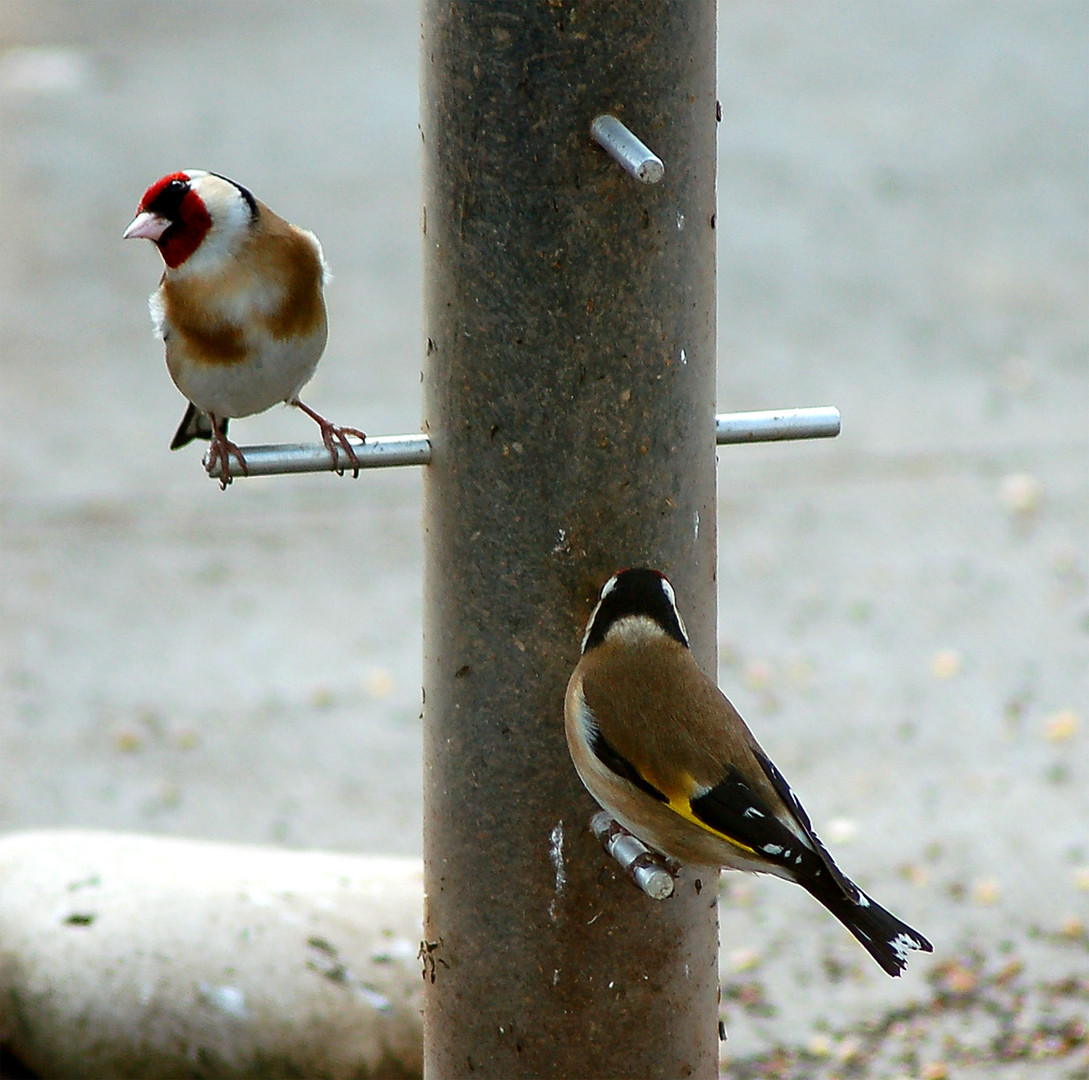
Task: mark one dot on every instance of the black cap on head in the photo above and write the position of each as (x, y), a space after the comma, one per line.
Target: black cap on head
(636, 592)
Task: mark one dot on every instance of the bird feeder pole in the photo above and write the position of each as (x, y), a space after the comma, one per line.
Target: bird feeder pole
(569, 277)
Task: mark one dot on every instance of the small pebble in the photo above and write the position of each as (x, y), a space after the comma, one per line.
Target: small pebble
(1072, 928)
(744, 960)
(128, 742)
(321, 697)
(918, 875)
(1061, 726)
(1020, 494)
(956, 978)
(945, 663)
(378, 683)
(849, 1050)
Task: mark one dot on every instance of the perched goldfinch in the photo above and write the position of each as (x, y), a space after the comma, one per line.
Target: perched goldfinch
(239, 307)
(658, 745)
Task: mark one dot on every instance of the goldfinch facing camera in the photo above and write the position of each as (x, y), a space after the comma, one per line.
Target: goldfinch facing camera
(239, 307)
(660, 747)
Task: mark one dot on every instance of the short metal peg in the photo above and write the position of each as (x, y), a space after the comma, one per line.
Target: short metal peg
(652, 872)
(626, 150)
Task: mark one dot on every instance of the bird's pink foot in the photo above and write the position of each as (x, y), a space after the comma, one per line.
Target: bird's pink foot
(333, 436)
(219, 457)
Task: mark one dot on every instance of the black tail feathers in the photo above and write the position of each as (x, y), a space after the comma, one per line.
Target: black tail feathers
(194, 425)
(882, 934)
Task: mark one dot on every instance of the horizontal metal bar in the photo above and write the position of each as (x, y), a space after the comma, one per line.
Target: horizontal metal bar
(376, 453)
(775, 425)
(382, 451)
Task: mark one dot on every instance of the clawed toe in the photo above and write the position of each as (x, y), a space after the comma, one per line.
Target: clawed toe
(219, 456)
(340, 434)
(332, 436)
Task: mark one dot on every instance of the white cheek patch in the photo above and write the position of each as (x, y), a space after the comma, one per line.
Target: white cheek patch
(608, 588)
(590, 621)
(671, 596)
(232, 220)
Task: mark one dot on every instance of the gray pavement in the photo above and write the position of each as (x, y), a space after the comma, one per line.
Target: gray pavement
(904, 613)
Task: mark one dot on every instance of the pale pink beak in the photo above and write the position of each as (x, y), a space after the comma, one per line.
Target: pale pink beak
(146, 225)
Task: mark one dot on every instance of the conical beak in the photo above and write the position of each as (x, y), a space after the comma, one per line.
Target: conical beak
(148, 225)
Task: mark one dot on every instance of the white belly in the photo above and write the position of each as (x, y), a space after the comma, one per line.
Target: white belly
(274, 373)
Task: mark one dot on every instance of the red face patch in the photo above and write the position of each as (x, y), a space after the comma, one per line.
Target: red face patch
(173, 199)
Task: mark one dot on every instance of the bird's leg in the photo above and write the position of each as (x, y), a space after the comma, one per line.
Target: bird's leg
(331, 432)
(219, 453)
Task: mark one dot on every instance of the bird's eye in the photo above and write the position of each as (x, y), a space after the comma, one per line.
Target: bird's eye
(168, 199)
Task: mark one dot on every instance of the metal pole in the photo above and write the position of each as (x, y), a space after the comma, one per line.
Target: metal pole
(568, 397)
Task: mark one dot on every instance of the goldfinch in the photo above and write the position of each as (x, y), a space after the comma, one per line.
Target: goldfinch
(239, 307)
(659, 746)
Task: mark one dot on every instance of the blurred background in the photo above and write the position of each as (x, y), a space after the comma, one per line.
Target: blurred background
(904, 612)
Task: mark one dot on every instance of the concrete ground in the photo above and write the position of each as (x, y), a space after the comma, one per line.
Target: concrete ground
(904, 613)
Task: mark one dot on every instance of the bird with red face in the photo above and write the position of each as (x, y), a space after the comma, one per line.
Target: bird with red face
(240, 309)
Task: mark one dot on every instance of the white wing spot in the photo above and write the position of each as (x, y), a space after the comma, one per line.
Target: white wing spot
(902, 944)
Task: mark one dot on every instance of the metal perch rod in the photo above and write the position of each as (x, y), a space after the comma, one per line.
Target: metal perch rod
(382, 451)
(378, 452)
(775, 425)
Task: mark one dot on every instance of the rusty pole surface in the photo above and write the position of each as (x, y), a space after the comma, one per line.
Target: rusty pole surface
(569, 399)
